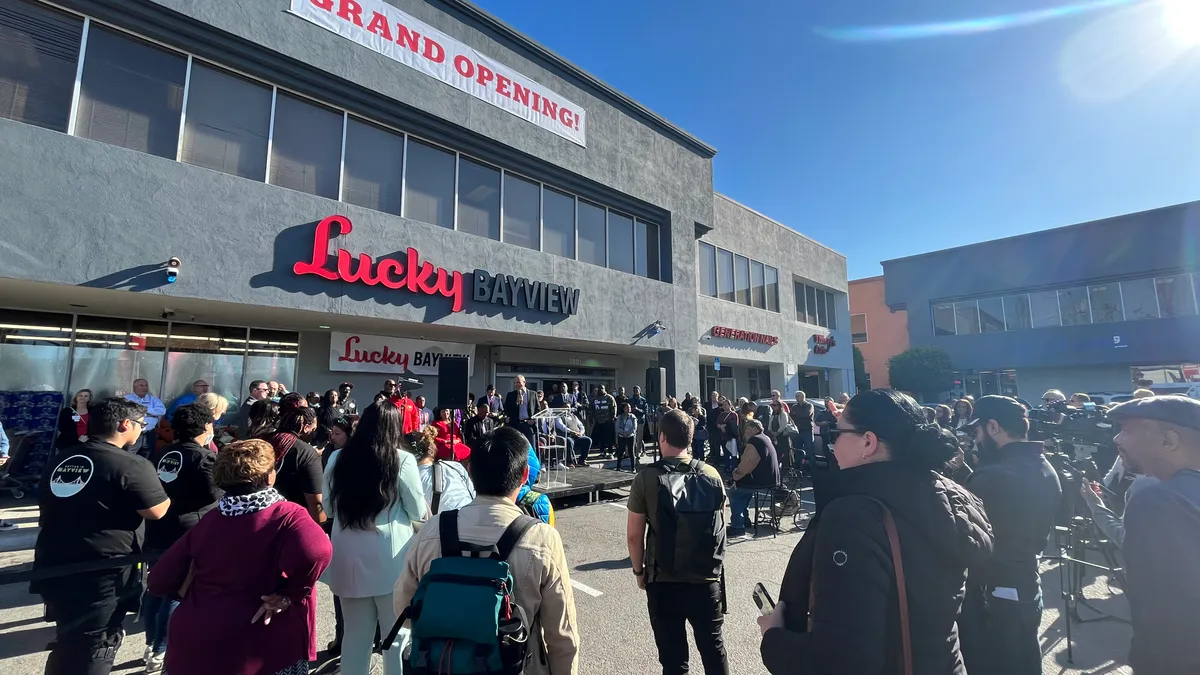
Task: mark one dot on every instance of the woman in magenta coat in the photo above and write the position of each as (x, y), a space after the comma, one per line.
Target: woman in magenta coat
(252, 561)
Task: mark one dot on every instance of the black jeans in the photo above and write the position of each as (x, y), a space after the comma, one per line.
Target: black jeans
(1000, 637)
(88, 611)
(672, 606)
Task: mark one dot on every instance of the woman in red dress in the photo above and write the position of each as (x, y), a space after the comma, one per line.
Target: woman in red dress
(449, 437)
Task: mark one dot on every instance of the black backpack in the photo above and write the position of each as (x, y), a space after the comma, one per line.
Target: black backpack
(691, 522)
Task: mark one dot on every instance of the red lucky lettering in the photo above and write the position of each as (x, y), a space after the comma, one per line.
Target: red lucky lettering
(385, 357)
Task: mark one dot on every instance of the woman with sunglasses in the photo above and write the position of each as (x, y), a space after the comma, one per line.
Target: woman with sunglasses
(842, 608)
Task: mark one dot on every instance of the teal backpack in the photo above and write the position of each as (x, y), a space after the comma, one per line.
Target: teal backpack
(464, 616)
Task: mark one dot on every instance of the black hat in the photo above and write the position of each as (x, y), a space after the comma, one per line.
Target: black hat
(1173, 408)
(346, 385)
(1007, 412)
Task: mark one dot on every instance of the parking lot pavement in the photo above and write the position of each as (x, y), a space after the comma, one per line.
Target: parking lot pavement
(614, 626)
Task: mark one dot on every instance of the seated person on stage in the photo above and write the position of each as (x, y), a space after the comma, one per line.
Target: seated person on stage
(534, 503)
(449, 438)
(480, 427)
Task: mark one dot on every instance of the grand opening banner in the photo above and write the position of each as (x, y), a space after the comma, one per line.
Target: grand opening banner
(382, 354)
(383, 28)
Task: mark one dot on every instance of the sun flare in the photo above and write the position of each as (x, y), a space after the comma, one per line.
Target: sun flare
(1181, 18)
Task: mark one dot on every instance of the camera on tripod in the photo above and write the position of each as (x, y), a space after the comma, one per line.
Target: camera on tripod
(1084, 437)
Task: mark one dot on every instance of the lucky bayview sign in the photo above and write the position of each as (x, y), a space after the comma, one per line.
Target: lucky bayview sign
(382, 354)
(414, 275)
(383, 28)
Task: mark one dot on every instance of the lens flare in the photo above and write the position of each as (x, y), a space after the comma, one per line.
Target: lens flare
(1181, 19)
(985, 24)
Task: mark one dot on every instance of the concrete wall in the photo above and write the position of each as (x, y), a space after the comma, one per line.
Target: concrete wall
(1138, 245)
(1033, 382)
(743, 231)
(887, 330)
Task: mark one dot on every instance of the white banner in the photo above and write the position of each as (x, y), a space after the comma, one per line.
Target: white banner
(381, 354)
(381, 27)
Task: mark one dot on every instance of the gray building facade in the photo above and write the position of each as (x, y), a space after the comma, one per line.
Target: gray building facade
(1088, 308)
(317, 190)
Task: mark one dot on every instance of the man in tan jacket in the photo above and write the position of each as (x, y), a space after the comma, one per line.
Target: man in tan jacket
(541, 580)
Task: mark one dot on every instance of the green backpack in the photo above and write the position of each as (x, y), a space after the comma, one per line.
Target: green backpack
(465, 619)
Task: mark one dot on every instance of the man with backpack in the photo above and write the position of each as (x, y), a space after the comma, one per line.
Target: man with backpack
(676, 539)
(463, 564)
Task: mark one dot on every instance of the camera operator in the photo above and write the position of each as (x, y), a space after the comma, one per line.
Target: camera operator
(1020, 491)
(1161, 436)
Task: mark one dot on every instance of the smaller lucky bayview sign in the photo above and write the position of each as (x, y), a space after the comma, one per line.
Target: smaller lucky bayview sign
(744, 335)
(382, 354)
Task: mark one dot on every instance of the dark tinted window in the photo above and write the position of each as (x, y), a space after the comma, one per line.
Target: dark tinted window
(1106, 303)
(810, 298)
(1175, 295)
(1141, 299)
(822, 308)
(306, 151)
(373, 167)
(772, 289)
(725, 274)
(40, 49)
(801, 314)
(1073, 304)
(1016, 312)
(741, 279)
(429, 184)
(558, 223)
(646, 238)
(831, 303)
(522, 212)
(478, 199)
(591, 234)
(620, 242)
(966, 315)
(943, 319)
(131, 94)
(707, 270)
(227, 123)
(991, 315)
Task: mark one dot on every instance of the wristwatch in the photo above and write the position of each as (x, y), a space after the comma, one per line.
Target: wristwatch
(638, 573)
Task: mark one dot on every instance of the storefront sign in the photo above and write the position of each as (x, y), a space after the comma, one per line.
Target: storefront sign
(385, 29)
(823, 343)
(381, 354)
(744, 335)
(417, 276)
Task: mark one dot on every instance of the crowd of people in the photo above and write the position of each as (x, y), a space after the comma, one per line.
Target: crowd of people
(392, 504)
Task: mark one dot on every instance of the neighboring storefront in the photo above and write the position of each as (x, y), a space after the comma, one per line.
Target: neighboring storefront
(1092, 308)
(351, 195)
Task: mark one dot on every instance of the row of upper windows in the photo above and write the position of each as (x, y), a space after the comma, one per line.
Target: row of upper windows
(1149, 298)
(728, 276)
(73, 75)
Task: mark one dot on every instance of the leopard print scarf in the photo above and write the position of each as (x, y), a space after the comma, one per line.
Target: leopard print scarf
(240, 505)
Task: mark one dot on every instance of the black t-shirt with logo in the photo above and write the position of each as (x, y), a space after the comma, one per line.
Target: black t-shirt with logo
(89, 497)
(185, 470)
(299, 473)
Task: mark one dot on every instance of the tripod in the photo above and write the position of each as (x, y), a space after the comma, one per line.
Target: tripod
(1082, 535)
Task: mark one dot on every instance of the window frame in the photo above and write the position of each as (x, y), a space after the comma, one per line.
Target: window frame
(854, 339)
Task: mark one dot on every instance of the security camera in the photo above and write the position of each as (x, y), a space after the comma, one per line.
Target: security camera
(167, 313)
(173, 266)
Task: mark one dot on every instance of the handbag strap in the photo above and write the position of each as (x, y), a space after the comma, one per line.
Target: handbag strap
(893, 536)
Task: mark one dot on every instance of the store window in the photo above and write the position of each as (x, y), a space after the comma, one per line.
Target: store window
(1106, 303)
(620, 242)
(1016, 312)
(478, 199)
(429, 184)
(558, 223)
(772, 289)
(522, 212)
(647, 255)
(1073, 305)
(110, 354)
(131, 94)
(707, 270)
(858, 328)
(37, 73)
(34, 354)
(725, 283)
(214, 354)
(741, 279)
(227, 123)
(757, 285)
(810, 309)
(1141, 299)
(1044, 308)
(991, 315)
(271, 355)
(306, 150)
(966, 317)
(592, 248)
(373, 167)
(943, 319)
(1175, 296)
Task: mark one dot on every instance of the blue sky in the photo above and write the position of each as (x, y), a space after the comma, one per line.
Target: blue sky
(1048, 114)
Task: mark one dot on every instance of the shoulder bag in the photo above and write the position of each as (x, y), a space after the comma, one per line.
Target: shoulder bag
(889, 524)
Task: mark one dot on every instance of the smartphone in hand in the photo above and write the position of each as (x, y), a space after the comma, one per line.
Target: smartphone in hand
(763, 599)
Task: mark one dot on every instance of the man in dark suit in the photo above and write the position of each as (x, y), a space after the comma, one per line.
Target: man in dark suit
(492, 400)
(520, 404)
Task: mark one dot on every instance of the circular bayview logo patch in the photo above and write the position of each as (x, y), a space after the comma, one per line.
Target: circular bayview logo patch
(71, 476)
(168, 466)
(840, 558)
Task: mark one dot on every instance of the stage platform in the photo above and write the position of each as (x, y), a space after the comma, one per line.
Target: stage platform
(590, 481)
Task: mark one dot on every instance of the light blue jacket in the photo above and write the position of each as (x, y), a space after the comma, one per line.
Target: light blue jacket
(366, 563)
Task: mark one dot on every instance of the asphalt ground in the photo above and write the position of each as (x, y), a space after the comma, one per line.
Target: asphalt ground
(614, 626)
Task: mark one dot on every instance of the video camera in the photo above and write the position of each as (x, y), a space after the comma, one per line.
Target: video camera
(1081, 438)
